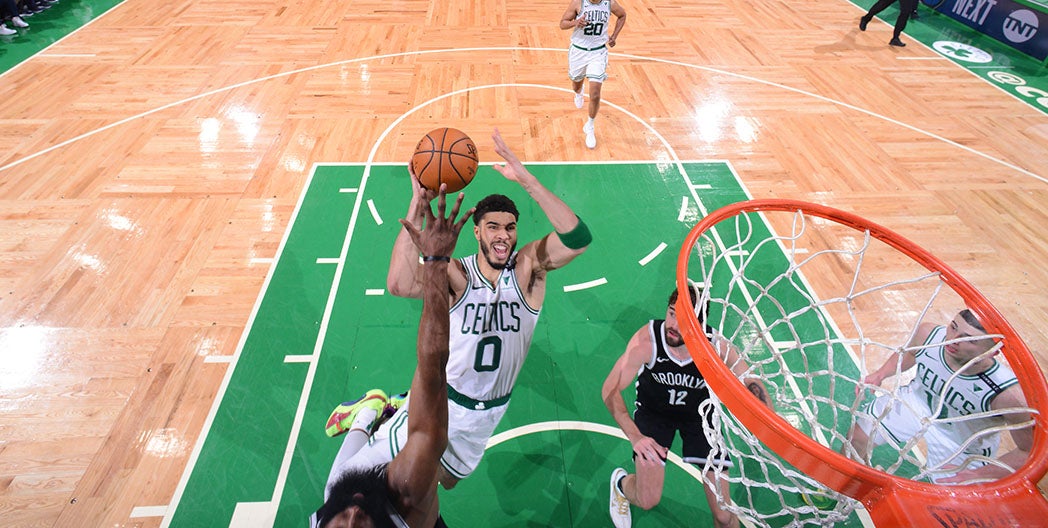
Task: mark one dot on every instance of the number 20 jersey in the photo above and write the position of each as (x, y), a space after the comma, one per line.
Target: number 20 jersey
(595, 33)
(491, 330)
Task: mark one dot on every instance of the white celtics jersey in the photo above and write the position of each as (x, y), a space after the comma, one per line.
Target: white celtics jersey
(595, 33)
(491, 330)
(965, 395)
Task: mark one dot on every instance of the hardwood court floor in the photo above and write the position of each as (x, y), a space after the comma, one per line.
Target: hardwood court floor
(151, 162)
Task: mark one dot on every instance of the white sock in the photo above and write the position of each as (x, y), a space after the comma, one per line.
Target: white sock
(364, 420)
(355, 439)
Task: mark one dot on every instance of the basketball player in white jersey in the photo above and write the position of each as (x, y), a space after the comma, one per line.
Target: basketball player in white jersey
(669, 390)
(983, 385)
(588, 54)
(496, 296)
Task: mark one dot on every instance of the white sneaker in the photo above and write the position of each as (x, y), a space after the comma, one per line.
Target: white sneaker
(591, 136)
(620, 505)
(18, 22)
(579, 100)
(5, 31)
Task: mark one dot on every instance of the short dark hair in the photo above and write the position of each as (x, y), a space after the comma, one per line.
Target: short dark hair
(694, 293)
(691, 293)
(366, 488)
(970, 318)
(495, 203)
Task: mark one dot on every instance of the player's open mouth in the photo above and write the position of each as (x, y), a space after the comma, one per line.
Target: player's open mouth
(501, 250)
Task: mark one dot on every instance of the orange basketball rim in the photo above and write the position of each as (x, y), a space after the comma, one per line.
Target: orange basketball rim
(890, 500)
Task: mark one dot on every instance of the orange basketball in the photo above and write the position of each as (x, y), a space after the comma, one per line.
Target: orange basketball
(445, 155)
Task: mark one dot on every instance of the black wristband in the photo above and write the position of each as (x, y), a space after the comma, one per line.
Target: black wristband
(437, 258)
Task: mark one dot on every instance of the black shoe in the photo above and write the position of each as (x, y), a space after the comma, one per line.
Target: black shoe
(863, 22)
(914, 15)
(897, 42)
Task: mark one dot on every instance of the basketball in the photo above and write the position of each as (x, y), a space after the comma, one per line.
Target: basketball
(445, 155)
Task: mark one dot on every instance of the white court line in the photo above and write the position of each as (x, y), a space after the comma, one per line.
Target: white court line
(683, 214)
(654, 253)
(571, 425)
(559, 51)
(148, 511)
(586, 285)
(300, 358)
(205, 430)
(331, 260)
(42, 53)
(348, 190)
(374, 291)
(374, 212)
(218, 359)
(703, 186)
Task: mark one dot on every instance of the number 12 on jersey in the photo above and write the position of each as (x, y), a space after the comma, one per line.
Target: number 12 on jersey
(677, 397)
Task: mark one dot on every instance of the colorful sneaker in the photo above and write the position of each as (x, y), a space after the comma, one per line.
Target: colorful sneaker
(394, 403)
(342, 417)
(620, 505)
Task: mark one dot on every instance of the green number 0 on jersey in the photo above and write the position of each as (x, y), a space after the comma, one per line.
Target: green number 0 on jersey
(484, 362)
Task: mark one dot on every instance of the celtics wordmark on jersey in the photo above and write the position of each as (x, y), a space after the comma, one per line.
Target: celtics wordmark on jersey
(595, 33)
(491, 330)
(966, 394)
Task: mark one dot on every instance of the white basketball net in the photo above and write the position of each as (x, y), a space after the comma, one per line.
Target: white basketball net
(812, 351)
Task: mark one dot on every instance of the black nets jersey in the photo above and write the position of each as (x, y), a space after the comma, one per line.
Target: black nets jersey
(667, 385)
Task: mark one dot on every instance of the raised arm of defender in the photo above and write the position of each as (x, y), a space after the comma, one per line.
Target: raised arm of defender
(413, 472)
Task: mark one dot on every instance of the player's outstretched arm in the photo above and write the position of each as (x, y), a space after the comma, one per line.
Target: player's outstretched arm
(895, 364)
(638, 352)
(404, 278)
(570, 238)
(413, 472)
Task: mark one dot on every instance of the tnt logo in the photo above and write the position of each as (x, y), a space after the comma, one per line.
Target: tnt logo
(1020, 26)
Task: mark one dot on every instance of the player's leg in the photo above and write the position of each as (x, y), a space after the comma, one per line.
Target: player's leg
(360, 451)
(906, 7)
(885, 420)
(877, 8)
(468, 433)
(577, 74)
(644, 488)
(446, 479)
(722, 518)
(596, 72)
(696, 450)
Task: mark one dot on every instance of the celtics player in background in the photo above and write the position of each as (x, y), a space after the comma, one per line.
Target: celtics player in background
(496, 295)
(588, 54)
(983, 385)
(669, 391)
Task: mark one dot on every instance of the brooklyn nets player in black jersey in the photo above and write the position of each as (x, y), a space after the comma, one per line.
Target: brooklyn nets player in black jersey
(669, 391)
